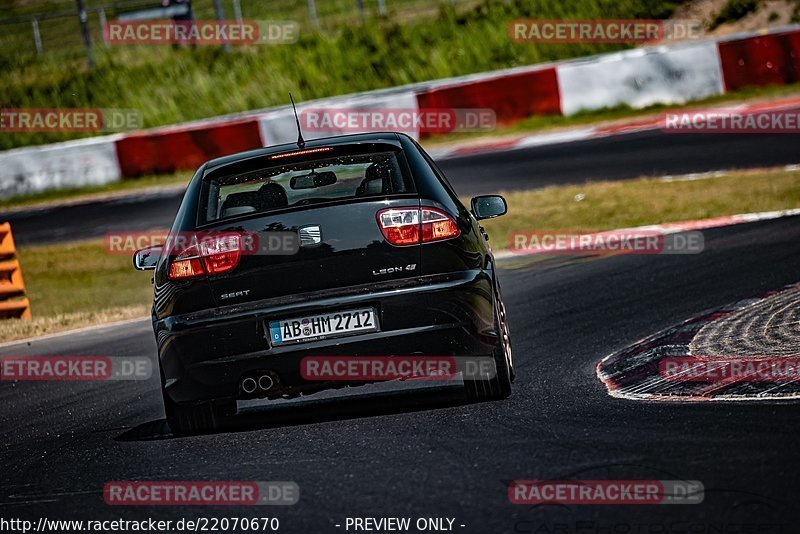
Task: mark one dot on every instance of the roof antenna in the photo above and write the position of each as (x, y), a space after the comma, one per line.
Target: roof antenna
(300, 142)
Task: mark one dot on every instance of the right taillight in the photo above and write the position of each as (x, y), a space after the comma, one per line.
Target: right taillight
(221, 254)
(411, 226)
(186, 265)
(215, 255)
(437, 225)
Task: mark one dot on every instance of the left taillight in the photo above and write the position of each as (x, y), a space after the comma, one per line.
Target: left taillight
(214, 255)
(412, 226)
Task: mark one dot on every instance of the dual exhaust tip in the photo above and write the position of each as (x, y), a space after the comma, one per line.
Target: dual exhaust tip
(264, 383)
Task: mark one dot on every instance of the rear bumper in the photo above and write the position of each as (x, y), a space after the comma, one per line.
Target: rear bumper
(204, 356)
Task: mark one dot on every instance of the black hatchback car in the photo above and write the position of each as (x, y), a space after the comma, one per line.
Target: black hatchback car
(363, 249)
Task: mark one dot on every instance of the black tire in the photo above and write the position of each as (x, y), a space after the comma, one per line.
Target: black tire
(506, 333)
(496, 387)
(198, 419)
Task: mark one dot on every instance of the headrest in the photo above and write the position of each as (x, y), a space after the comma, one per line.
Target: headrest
(377, 180)
(273, 196)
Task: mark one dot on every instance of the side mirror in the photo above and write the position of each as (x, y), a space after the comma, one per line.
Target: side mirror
(145, 259)
(489, 206)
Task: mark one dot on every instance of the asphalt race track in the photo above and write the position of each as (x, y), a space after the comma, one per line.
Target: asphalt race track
(430, 454)
(651, 153)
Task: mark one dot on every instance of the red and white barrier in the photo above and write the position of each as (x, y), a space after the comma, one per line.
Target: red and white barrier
(79, 163)
(177, 148)
(512, 95)
(638, 78)
(278, 126)
(641, 77)
(771, 59)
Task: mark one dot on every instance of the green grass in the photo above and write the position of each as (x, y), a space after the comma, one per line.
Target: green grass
(734, 10)
(79, 284)
(170, 85)
(80, 277)
(529, 125)
(609, 205)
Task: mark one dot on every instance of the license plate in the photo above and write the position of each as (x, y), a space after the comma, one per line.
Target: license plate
(314, 327)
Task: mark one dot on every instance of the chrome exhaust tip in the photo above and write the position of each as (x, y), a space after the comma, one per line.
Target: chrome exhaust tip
(265, 382)
(249, 385)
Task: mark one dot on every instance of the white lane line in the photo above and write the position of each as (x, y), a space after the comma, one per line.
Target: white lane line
(75, 331)
(693, 176)
(682, 226)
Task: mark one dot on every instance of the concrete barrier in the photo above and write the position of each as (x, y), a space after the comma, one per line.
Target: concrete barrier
(673, 74)
(80, 163)
(278, 126)
(641, 77)
(512, 95)
(772, 59)
(184, 148)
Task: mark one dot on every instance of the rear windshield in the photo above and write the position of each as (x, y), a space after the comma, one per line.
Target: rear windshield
(303, 183)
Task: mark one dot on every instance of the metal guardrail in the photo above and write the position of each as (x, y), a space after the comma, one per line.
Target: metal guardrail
(60, 31)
